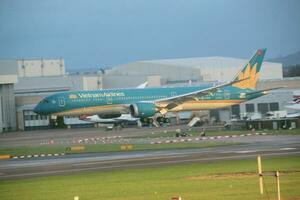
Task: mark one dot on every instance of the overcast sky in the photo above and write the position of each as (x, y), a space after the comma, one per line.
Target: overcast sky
(104, 33)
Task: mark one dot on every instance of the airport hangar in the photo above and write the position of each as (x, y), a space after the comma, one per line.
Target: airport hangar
(31, 80)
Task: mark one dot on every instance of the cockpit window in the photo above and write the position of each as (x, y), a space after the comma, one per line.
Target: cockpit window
(45, 101)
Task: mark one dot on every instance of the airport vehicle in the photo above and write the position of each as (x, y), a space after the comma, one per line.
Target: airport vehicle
(119, 119)
(154, 102)
(276, 114)
(110, 123)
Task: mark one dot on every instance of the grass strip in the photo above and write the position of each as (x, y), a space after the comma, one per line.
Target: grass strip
(93, 148)
(226, 180)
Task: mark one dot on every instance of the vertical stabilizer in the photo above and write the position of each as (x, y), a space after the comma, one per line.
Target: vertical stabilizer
(250, 71)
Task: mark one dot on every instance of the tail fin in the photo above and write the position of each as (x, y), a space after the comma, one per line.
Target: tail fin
(250, 72)
(296, 99)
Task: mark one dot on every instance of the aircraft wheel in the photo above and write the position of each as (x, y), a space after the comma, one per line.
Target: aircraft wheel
(166, 120)
(150, 120)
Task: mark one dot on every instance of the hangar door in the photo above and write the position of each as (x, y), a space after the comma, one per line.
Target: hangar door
(34, 121)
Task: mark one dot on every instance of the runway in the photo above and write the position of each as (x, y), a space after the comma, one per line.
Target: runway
(35, 167)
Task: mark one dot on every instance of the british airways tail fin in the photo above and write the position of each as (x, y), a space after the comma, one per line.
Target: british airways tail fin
(248, 76)
(296, 99)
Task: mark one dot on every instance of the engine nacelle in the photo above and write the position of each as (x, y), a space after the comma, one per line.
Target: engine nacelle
(142, 109)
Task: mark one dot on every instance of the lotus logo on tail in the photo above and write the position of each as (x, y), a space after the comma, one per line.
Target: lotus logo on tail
(250, 77)
(259, 52)
(250, 73)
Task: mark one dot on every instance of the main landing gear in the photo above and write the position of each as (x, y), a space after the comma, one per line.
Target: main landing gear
(155, 121)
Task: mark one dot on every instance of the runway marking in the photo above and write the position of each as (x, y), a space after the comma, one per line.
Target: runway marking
(246, 151)
(287, 148)
(143, 164)
(220, 137)
(37, 155)
(129, 160)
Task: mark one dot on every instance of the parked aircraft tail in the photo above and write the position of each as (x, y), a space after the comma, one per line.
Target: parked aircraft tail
(296, 99)
(250, 73)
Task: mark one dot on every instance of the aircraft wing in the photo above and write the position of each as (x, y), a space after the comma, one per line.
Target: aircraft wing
(294, 106)
(174, 101)
(294, 115)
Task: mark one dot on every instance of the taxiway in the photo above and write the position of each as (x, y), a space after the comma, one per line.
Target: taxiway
(248, 147)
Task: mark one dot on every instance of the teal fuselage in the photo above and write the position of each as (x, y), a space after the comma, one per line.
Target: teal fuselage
(116, 101)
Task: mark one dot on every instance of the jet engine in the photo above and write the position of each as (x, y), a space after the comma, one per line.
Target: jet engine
(142, 109)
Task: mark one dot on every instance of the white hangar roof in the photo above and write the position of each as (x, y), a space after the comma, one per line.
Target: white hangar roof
(209, 68)
(197, 62)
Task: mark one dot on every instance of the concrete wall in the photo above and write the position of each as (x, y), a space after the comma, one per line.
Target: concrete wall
(283, 97)
(8, 108)
(8, 71)
(41, 67)
(28, 100)
(120, 81)
(1, 120)
(154, 81)
(288, 83)
(224, 70)
(49, 84)
(76, 82)
(167, 73)
(92, 82)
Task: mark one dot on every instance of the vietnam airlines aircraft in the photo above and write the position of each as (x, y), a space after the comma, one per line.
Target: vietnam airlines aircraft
(151, 102)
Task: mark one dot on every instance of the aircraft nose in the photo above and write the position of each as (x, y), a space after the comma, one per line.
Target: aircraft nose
(37, 109)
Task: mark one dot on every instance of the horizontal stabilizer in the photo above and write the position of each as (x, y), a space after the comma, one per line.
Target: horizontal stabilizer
(264, 91)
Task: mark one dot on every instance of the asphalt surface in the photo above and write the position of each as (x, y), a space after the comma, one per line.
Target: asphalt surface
(38, 137)
(73, 163)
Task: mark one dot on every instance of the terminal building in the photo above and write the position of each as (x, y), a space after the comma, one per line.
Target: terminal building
(23, 83)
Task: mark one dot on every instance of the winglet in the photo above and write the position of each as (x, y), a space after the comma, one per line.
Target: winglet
(250, 71)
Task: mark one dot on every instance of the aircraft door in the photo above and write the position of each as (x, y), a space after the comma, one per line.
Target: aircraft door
(109, 100)
(226, 94)
(173, 94)
(61, 101)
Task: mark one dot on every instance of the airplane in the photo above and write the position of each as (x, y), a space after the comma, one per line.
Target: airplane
(115, 121)
(295, 105)
(149, 103)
